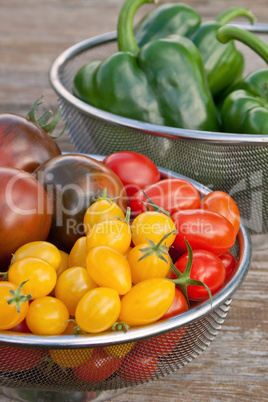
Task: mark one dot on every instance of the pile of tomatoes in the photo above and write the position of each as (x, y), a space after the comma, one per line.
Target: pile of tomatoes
(146, 249)
(121, 272)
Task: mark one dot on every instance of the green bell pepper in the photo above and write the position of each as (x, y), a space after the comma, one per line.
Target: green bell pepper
(245, 108)
(165, 20)
(161, 83)
(224, 63)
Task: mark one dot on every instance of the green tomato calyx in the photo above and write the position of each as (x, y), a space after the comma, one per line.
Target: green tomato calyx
(159, 249)
(120, 326)
(184, 280)
(17, 298)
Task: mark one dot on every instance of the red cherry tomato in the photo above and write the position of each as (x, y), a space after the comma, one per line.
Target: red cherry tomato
(162, 345)
(137, 366)
(135, 170)
(223, 204)
(171, 194)
(206, 267)
(203, 230)
(97, 368)
(178, 306)
(25, 214)
(229, 263)
(22, 327)
(15, 359)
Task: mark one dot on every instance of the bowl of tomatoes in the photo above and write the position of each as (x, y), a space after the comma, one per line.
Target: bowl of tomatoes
(129, 297)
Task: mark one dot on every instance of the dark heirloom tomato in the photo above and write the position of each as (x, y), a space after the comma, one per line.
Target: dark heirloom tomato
(23, 144)
(25, 213)
(73, 182)
(171, 194)
(135, 170)
(207, 268)
(203, 230)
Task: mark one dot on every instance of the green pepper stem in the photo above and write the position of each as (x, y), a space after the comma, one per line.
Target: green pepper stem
(227, 33)
(125, 33)
(235, 12)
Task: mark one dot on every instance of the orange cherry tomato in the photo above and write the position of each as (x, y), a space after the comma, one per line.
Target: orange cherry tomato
(98, 310)
(147, 301)
(64, 262)
(9, 314)
(41, 276)
(40, 249)
(112, 233)
(72, 285)
(78, 253)
(70, 357)
(152, 266)
(152, 225)
(47, 316)
(109, 268)
(101, 210)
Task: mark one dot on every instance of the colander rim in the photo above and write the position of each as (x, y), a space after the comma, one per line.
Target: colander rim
(135, 125)
(104, 339)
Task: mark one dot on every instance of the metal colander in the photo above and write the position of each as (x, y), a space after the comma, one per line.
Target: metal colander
(139, 355)
(236, 164)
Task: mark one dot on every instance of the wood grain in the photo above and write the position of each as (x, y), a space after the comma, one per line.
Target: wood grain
(32, 34)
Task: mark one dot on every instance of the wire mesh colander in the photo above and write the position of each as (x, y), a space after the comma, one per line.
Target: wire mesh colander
(65, 363)
(236, 164)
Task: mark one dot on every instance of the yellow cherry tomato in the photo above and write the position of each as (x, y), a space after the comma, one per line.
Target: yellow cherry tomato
(101, 210)
(109, 268)
(64, 262)
(70, 357)
(98, 310)
(72, 285)
(152, 266)
(114, 234)
(152, 225)
(9, 314)
(78, 253)
(47, 316)
(119, 351)
(40, 249)
(147, 301)
(41, 276)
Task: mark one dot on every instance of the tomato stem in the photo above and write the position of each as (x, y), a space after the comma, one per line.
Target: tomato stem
(4, 275)
(155, 207)
(77, 330)
(184, 280)
(128, 213)
(120, 326)
(17, 298)
(43, 121)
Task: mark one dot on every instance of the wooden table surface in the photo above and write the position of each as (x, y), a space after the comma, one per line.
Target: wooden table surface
(32, 34)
